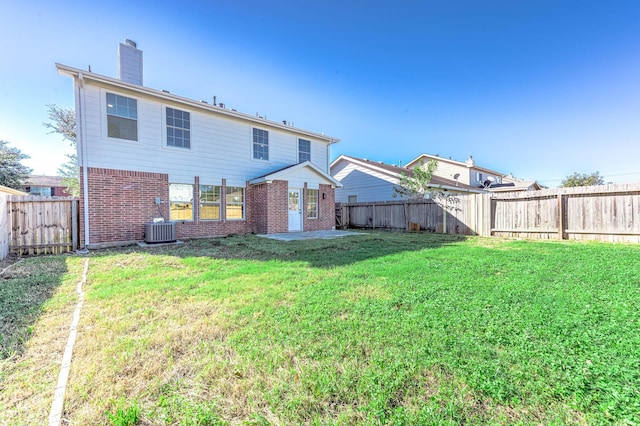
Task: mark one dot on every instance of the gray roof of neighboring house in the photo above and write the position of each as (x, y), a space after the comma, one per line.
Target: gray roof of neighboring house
(435, 180)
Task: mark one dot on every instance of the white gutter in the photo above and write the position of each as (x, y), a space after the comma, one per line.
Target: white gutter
(64, 69)
(82, 151)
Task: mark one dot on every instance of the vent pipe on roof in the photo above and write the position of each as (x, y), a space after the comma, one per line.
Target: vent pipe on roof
(130, 62)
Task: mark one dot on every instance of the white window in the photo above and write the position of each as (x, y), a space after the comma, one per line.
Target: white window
(479, 177)
(235, 202)
(353, 198)
(180, 201)
(304, 150)
(210, 202)
(178, 128)
(312, 203)
(122, 117)
(260, 144)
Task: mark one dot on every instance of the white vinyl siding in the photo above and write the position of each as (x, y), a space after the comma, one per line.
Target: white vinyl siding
(221, 147)
(365, 184)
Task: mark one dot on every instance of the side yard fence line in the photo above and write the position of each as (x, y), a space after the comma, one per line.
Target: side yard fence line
(38, 225)
(605, 213)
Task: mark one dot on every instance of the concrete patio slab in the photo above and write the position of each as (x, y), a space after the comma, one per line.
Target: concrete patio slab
(310, 235)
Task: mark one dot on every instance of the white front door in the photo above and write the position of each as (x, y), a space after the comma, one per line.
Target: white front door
(295, 210)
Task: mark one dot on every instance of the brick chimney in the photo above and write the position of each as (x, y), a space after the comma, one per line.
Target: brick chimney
(130, 62)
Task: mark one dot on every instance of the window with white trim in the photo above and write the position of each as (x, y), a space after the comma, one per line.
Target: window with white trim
(304, 150)
(122, 117)
(210, 197)
(312, 203)
(235, 202)
(180, 201)
(178, 128)
(260, 144)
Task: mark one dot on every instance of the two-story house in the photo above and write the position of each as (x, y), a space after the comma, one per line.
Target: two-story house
(466, 172)
(469, 173)
(364, 180)
(146, 154)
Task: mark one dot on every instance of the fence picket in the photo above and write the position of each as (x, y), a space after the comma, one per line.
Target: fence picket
(607, 213)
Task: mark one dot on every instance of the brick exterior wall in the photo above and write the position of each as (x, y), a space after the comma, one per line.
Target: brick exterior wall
(326, 210)
(271, 207)
(122, 201)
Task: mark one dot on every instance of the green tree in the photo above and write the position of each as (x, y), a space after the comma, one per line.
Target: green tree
(63, 122)
(582, 179)
(12, 172)
(416, 185)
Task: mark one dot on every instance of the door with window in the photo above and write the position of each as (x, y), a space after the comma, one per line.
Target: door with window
(295, 210)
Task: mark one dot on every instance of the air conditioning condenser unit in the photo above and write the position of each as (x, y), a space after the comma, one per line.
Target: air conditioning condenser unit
(164, 232)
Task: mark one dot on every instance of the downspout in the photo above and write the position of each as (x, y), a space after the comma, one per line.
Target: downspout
(82, 152)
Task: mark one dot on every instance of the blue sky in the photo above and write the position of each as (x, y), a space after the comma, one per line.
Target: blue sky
(540, 89)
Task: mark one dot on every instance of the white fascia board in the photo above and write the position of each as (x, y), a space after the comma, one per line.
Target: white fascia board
(280, 175)
(74, 72)
(368, 165)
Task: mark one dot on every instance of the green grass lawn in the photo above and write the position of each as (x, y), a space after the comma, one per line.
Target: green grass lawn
(385, 328)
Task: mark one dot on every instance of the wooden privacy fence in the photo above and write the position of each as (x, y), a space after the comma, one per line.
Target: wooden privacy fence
(39, 225)
(453, 215)
(606, 213)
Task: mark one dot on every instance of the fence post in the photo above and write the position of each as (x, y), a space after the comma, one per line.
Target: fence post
(444, 217)
(561, 222)
(74, 225)
(406, 216)
(373, 216)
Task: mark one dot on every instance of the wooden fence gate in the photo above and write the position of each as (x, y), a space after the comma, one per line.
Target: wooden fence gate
(40, 225)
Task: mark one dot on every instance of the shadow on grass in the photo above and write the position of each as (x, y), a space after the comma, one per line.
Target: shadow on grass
(24, 289)
(319, 253)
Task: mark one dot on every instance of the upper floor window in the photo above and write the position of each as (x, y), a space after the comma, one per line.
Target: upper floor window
(210, 202)
(304, 150)
(180, 201)
(260, 144)
(178, 128)
(122, 117)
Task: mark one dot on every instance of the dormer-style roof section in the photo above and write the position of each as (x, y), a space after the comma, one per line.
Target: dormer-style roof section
(397, 172)
(470, 163)
(285, 172)
(83, 77)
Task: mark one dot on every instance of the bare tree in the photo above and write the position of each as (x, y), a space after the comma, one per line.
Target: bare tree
(63, 122)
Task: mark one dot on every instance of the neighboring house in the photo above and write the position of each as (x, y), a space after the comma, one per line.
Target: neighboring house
(467, 173)
(147, 153)
(10, 191)
(46, 186)
(368, 181)
(470, 174)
